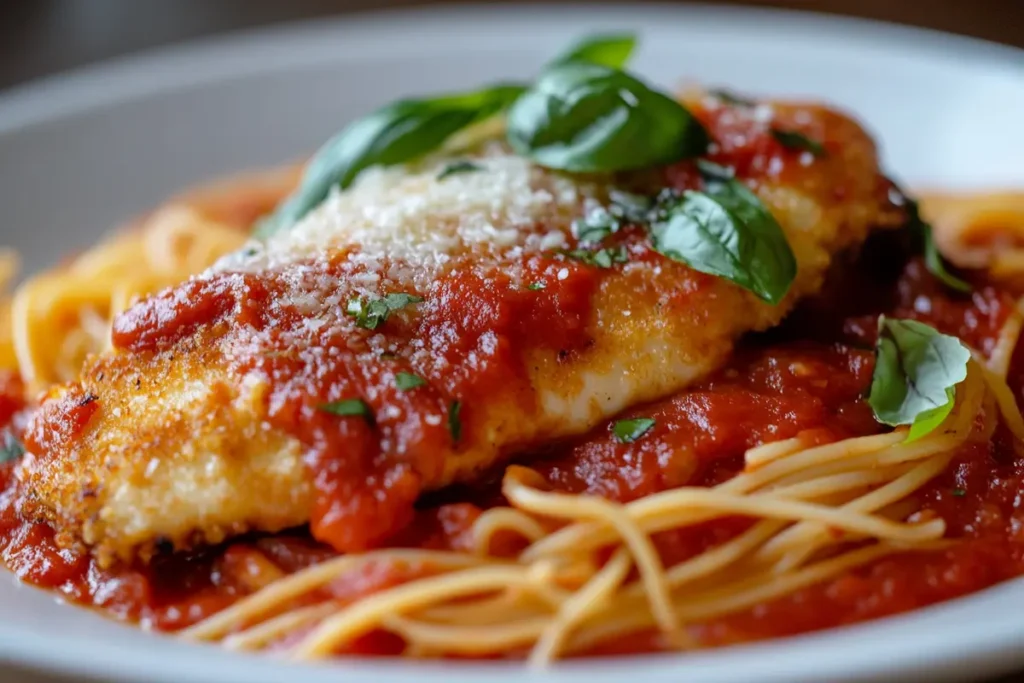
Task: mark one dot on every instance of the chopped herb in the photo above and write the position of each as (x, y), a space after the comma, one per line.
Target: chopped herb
(959, 493)
(732, 98)
(916, 373)
(388, 355)
(454, 424)
(457, 167)
(792, 139)
(922, 232)
(595, 226)
(11, 448)
(406, 381)
(602, 258)
(536, 285)
(348, 407)
(370, 314)
(628, 431)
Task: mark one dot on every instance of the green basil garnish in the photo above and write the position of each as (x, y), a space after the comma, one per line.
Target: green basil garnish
(612, 50)
(394, 134)
(602, 258)
(11, 449)
(726, 231)
(457, 167)
(348, 407)
(792, 139)
(535, 286)
(406, 381)
(586, 117)
(371, 314)
(933, 260)
(922, 232)
(916, 373)
(454, 423)
(595, 226)
(628, 431)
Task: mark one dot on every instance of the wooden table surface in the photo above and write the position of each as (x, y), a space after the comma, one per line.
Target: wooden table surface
(38, 37)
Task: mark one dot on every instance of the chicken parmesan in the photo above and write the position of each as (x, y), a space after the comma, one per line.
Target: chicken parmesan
(545, 369)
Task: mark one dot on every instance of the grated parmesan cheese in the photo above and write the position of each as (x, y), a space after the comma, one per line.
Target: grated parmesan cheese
(396, 220)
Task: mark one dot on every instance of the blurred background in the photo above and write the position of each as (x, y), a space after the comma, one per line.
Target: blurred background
(38, 37)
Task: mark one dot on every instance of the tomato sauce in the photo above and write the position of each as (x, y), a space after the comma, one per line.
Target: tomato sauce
(806, 378)
(779, 384)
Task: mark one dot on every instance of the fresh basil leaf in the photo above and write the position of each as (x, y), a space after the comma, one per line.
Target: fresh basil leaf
(792, 139)
(394, 134)
(348, 407)
(611, 50)
(602, 258)
(457, 167)
(454, 423)
(731, 98)
(11, 449)
(595, 226)
(371, 314)
(535, 286)
(959, 493)
(922, 232)
(727, 231)
(934, 262)
(916, 373)
(927, 421)
(585, 117)
(628, 431)
(406, 381)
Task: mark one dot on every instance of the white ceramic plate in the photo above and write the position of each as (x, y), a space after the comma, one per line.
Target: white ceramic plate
(80, 152)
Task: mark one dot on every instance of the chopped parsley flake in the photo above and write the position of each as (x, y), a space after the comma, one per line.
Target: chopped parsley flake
(628, 431)
(348, 407)
(792, 139)
(454, 424)
(11, 449)
(534, 286)
(371, 313)
(602, 258)
(595, 226)
(406, 381)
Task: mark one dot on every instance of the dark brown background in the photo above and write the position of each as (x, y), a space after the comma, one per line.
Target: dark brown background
(38, 37)
(41, 36)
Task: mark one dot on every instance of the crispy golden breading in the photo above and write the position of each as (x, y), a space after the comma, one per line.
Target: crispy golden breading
(185, 444)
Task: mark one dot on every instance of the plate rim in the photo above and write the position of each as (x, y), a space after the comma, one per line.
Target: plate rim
(74, 92)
